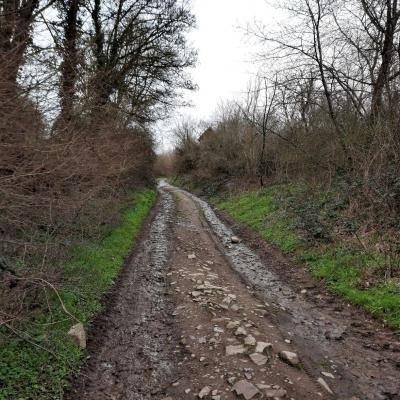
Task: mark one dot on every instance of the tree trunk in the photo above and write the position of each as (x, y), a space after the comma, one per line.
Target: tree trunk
(341, 134)
(101, 90)
(387, 58)
(262, 156)
(15, 25)
(69, 65)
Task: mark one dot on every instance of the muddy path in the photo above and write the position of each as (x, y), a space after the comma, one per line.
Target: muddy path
(195, 315)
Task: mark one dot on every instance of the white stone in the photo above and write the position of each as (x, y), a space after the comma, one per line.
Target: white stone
(276, 393)
(250, 340)
(261, 346)
(258, 359)
(235, 349)
(240, 332)
(289, 357)
(235, 239)
(246, 389)
(78, 335)
(233, 324)
(324, 385)
(204, 392)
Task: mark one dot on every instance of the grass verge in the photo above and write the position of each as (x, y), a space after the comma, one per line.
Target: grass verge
(37, 357)
(316, 231)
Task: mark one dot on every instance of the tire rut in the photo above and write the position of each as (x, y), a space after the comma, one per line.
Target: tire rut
(168, 323)
(321, 337)
(132, 346)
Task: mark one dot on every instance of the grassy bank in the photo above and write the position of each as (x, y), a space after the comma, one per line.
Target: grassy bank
(36, 358)
(317, 228)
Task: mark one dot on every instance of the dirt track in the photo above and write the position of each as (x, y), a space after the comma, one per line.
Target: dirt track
(182, 297)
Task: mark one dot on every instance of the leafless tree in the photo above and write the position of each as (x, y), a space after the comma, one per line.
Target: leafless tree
(383, 16)
(70, 55)
(140, 53)
(259, 110)
(99, 71)
(16, 19)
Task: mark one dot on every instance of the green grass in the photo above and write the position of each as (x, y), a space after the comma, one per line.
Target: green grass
(299, 225)
(259, 211)
(31, 372)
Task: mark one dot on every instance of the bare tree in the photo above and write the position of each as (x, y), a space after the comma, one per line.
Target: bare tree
(384, 17)
(16, 19)
(140, 53)
(69, 66)
(316, 14)
(186, 145)
(259, 110)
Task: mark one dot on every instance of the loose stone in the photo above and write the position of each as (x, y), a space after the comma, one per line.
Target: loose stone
(235, 239)
(250, 340)
(324, 385)
(246, 389)
(240, 332)
(233, 324)
(204, 392)
(258, 358)
(275, 393)
(328, 374)
(235, 349)
(262, 346)
(289, 357)
(78, 335)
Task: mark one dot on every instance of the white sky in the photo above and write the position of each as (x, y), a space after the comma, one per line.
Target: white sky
(225, 63)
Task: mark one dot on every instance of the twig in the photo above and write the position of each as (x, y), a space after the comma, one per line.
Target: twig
(20, 335)
(55, 291)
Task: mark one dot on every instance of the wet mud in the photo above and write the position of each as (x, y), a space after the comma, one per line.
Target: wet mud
(167, 323)
(131, 346)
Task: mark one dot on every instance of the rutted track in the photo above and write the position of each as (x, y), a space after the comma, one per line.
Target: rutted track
(131, 350)
(360, 367)
(157, 339)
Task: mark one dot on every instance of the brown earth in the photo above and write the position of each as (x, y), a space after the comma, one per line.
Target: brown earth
(187, 293)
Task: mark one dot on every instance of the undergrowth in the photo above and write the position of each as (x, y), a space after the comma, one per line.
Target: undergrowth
(36, 358)
(314, 228)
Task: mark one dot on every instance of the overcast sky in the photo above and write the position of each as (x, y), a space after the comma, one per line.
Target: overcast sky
(225, 55)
